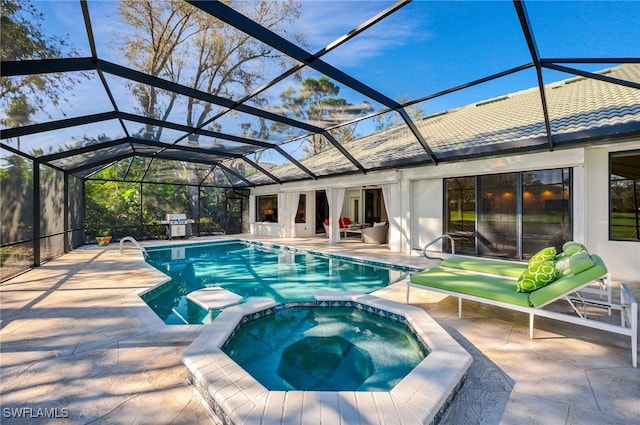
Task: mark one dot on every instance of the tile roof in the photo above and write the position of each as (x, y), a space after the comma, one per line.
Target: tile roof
(579, 108)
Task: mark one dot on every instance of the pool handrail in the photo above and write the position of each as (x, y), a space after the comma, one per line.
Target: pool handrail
(453, 247)
(132, 240)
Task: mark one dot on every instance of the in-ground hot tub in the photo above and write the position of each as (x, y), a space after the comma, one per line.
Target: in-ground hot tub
(420, 395)
(326, 346)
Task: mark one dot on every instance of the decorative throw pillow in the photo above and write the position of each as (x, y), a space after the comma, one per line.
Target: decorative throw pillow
(569, 248)
(537, 276)
(580, 262)
(545, 254)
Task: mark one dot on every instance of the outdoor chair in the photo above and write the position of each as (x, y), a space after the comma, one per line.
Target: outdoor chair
(377, 234)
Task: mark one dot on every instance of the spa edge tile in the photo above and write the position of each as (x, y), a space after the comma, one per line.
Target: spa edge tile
(367, 409)
(348, 408)
(386, 407)
(311, 408)
(329, 407)
(292, 408)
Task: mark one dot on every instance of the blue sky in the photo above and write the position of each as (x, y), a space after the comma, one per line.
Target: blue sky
(430, 46)
(426, 46)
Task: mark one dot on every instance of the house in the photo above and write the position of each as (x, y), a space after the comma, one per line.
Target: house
(516, 200)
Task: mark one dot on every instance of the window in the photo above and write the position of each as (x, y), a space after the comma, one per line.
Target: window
(267, 208)
(510, 215)
(624, 196)
(302, 207)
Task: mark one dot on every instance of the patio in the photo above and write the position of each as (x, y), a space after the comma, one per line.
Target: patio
(76, 341)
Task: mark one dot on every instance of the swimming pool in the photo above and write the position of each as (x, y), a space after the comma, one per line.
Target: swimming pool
(254, 270)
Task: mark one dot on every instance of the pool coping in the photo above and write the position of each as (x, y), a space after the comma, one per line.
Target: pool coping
(235, 397)
(152, 322)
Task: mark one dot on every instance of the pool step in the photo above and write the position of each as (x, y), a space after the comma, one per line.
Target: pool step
(215, 297)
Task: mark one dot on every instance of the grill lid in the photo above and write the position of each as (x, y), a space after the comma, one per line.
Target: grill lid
(174, 219)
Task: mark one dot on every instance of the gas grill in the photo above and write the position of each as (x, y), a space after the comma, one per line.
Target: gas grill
(177, 225)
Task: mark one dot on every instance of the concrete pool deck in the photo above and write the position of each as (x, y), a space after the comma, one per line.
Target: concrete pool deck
(76, 348)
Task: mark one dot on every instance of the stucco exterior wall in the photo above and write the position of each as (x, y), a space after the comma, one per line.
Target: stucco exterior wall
(416, 211)
(426, 213)
(263, 228)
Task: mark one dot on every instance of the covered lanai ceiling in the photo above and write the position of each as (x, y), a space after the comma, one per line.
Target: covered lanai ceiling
(415, 83)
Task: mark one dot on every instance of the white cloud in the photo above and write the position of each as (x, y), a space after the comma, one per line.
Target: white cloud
(329, 20)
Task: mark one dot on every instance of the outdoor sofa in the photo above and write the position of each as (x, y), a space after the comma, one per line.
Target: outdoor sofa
(344, 224)
(375, 234)
(582, 281)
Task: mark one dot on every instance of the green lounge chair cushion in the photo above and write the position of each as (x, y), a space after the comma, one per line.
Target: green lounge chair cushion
(501, 289)
(470, 283)
(484, 265)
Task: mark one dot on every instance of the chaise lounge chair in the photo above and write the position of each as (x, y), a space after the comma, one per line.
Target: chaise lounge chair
(494, 282)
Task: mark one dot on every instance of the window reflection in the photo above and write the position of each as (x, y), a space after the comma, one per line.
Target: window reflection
(545, 210)
(460, 213)
(624, 196)
(267, 208)
(497, 225)
(510, 215)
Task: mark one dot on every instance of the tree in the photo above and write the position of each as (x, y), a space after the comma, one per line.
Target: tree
(316, 103)
(178, 42)
(16, 208)
(23, 39)
(392, 119)
(18, 113)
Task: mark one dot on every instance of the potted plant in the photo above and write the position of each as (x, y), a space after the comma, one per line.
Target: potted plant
(104, 237)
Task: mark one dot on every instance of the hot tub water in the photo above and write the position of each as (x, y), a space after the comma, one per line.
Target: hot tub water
(325, 349)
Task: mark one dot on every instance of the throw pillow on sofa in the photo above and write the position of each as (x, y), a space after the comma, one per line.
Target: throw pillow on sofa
(344, 222)
(536, 276)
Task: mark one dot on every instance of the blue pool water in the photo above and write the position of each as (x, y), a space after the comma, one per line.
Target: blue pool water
(253, 271)
(325, 349)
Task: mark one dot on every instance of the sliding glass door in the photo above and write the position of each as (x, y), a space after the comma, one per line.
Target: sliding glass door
(545, 210)
(509, 215)
(497, 232)
(460, 214)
